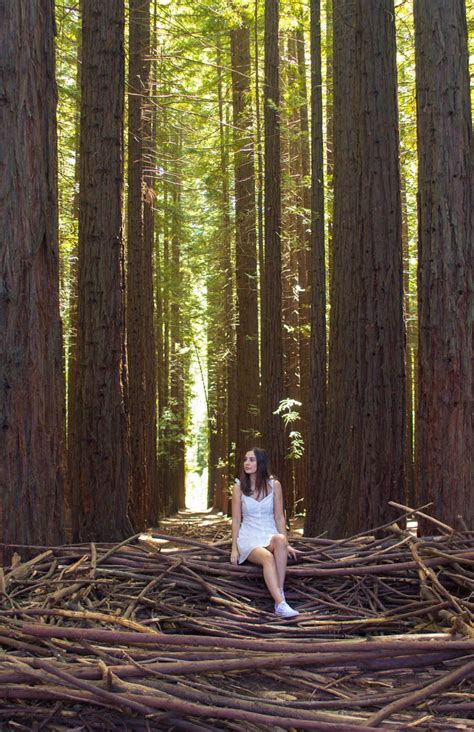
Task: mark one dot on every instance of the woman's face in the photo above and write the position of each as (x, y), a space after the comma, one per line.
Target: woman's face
(250, 462)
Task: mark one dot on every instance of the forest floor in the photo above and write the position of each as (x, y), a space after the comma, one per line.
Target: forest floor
(161, 632)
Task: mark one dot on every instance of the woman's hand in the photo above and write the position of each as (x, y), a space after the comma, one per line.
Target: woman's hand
(292, 553)
(234, 556)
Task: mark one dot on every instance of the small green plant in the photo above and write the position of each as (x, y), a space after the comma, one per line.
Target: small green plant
(288, 410)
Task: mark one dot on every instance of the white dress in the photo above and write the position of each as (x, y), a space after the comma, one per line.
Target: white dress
(258, 523)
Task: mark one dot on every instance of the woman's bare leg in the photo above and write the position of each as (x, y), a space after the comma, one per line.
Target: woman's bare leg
(265, 559)
(278, 548)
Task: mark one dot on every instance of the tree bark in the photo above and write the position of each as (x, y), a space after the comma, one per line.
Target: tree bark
(317, 348)
(259, 152)
(150, 114)
(272, 337)
(177, 426)
(364, 465)
(292, 246)
(245, 245)
(304, 267)
(410, 496)
(98, 435)
(220, 328)
(444, 446)
(32, 396)
(162, 268)
(140, 332)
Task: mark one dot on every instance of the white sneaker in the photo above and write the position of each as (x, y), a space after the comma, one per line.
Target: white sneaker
(283, 610)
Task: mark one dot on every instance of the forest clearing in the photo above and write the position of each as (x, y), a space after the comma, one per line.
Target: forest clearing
(236, 350)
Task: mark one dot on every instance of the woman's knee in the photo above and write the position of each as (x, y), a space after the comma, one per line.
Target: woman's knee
(279, 541)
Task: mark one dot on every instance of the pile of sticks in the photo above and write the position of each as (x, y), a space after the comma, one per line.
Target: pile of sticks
(162, 632)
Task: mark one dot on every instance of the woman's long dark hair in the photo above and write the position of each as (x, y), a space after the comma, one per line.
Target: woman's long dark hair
(261, 478)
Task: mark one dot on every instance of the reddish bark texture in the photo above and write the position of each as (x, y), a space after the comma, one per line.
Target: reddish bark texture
(220, 331)
(316, 280)
(245, 245)
(303, 478)
(31, 368)
(444, 447)
(179, 361)
(140, 330)
(364, 462)
(292, 243)
(272, 337)
(98, 434)
(410, 498)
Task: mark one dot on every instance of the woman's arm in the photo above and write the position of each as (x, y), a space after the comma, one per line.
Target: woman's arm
(279, 514)
(236, 521)
(278, 510)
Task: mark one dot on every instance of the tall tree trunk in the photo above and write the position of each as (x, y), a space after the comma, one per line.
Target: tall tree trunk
(259, 153)
(98, 434)
(410, 497)
(329, 138)
(149, 195)
(317, 355)
(364, 466)
(164, 352)
(140, 334)
(304, 266)
(272, 337)
(162, 377)
(444, 446)
(230, 298)
(246, 245)
(220, 325)
(292, 244)
(31, 370)
(177, 428)
(162, 304)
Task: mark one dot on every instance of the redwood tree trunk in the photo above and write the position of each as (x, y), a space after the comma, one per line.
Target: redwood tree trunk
(140, 331)
(329, 142)
(245, 245)
(272, 337)
(162, 306)
(364, 462)
(150, 124)
(410, 496)
(444, 446)
(317, 354)
(220, 328)
(292, 244)
(305, 267)
(258, 148)
(31, 373)
(177, 426)
(98, 435)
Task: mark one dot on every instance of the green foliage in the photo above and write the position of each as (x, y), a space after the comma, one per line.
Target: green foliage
(288, 410)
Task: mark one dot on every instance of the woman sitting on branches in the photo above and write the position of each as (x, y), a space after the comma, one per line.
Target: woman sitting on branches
(258, 526)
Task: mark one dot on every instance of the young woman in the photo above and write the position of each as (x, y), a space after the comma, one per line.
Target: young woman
(258, 527)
